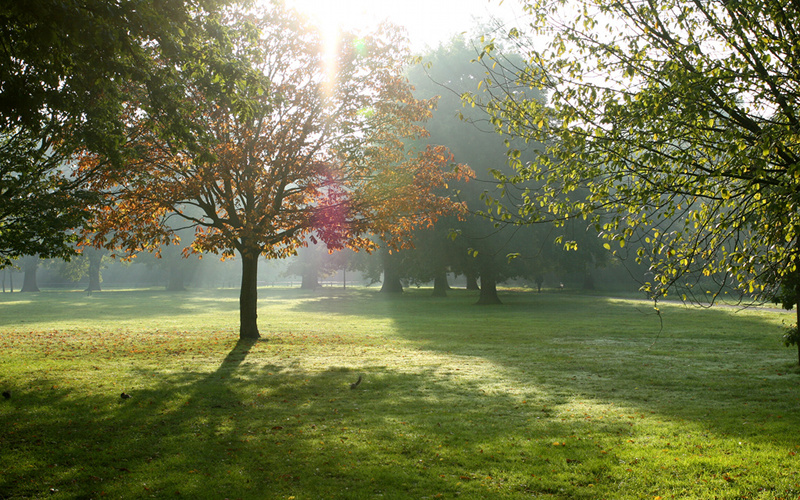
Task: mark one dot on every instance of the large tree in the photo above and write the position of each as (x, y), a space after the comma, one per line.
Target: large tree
(484, 241)
(309, 147)
(673, 126)
(66, 69)
(39, 204)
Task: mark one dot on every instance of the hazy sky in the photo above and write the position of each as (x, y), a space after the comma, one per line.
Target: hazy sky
(428, 22)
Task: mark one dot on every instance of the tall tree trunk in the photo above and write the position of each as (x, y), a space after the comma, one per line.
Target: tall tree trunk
(30, 265)
(391, 273)
(440, 284)
(797, 316)
(309, 260)
(310, 275)
(95, 257)
(797, 319)
(488, 295)
(588, 280)
(309, 281)
(176, 280)
(248, 297)
(797, 293)
(472, 281)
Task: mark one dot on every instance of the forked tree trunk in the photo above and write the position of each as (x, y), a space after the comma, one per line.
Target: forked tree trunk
(248, 298)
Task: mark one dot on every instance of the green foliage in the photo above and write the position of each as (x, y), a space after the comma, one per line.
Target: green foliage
(485, 238)
(554, 395)
(39, 204)
(673, 129)
(69, 69)
(791, 336)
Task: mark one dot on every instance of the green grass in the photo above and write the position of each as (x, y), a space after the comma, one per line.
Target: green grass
(551, 395)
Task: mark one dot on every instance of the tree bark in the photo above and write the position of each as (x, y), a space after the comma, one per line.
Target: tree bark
(588, 281)
(310, 277)
(472, 281)
(95, 258)
(488, 295)
(440, 284)
(176, 279)
(797, 316)
(391, 274)
(29, 284)
(248, 298)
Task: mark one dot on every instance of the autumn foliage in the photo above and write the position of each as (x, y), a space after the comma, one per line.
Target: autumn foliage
(312, 144)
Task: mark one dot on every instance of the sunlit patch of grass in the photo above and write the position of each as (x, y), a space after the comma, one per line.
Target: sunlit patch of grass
(554, 395)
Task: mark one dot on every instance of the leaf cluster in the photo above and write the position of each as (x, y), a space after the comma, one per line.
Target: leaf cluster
(298, 141)
(672, 128)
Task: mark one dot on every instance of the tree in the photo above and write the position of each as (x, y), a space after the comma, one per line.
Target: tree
(671, 125)
(39, 205)
(30, 264)
(94, 257)
(450, 71)
(308, 147)
(66, 68)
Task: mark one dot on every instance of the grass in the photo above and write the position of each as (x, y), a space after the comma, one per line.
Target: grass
(551, 395)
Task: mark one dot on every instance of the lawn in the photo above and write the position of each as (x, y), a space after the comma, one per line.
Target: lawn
(552, 395)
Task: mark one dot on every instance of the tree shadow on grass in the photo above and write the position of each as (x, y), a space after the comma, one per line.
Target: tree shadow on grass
(251, 429)
(713, 368)
(258, 425)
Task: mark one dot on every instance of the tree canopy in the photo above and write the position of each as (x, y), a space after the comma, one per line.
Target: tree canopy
(66, 71)
(672, 126)
(310, 146)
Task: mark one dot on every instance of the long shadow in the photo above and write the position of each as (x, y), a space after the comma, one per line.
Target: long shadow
(104, 439)
(400, 435)
(700, 368)
(261, 430)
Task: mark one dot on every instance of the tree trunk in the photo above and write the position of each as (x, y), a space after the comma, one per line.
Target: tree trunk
(391, 274)
(588, 281)
(176, 279)
(95, 261)
(310, 277)
(29, 284)
(440, 284)
(248, 298)
(472, 281)
(797, 316)
(488, 295)
(309, 282)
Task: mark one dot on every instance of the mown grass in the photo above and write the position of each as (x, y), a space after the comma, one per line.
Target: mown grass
(550, 395)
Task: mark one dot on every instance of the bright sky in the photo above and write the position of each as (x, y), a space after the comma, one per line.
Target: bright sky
(429, 22)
